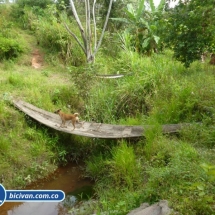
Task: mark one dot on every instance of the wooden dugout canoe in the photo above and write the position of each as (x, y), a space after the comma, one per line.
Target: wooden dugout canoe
(89, 129)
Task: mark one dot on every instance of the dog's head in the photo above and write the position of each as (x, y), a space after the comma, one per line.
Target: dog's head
(76, 114)
(57, 111)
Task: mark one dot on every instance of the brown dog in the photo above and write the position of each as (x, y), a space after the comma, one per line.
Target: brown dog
(65, 117)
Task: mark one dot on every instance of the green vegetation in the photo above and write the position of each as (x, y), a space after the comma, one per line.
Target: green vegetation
(155, 90)
(189, 41)
(144, 26)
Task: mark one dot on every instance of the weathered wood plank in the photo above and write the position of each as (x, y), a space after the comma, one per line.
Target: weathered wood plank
(89, 129)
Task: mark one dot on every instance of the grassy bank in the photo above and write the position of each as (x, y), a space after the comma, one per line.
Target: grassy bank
(178, 168)
(28, 150)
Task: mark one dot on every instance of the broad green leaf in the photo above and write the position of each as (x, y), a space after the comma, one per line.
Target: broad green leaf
(202, 193)
(200, 187)
(152, 5)
(141, 8)
(153, 27)
(130, 9)
(145, 23)
(156, 38)
(146, 43)
(161, 6)
(130, 12)
(120, 20)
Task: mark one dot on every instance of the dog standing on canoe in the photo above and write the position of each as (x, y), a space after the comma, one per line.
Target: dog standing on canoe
(66, 117)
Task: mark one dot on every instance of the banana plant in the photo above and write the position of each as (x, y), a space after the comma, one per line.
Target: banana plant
(143, 26)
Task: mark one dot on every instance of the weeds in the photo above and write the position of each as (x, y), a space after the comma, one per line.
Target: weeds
(124, 169)
(156, 94)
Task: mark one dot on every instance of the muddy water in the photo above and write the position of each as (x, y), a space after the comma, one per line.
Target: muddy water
(66, 178)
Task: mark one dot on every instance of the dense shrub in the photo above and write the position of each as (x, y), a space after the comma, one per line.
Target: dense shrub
(37, 7)
(38, 3)
(119, 168)
(54, 37)
(9, 48)
(174, 170)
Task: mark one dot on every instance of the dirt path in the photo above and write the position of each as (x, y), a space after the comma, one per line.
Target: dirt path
(37, 59)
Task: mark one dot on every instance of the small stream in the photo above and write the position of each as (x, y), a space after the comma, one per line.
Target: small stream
(67, 178)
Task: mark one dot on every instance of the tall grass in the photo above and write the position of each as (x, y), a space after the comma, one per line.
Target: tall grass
(156, 89)
(174, 170)
(118, 176)
(27, 150)
(159, 91)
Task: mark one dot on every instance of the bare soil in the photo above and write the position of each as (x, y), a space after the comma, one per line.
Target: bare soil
(37, 59)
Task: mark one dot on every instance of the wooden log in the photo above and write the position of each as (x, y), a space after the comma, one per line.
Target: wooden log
(90, 129)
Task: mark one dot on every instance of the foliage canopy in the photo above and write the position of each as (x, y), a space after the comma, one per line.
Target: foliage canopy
(191, 30)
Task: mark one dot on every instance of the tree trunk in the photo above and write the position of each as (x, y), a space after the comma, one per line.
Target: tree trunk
(87, 33)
